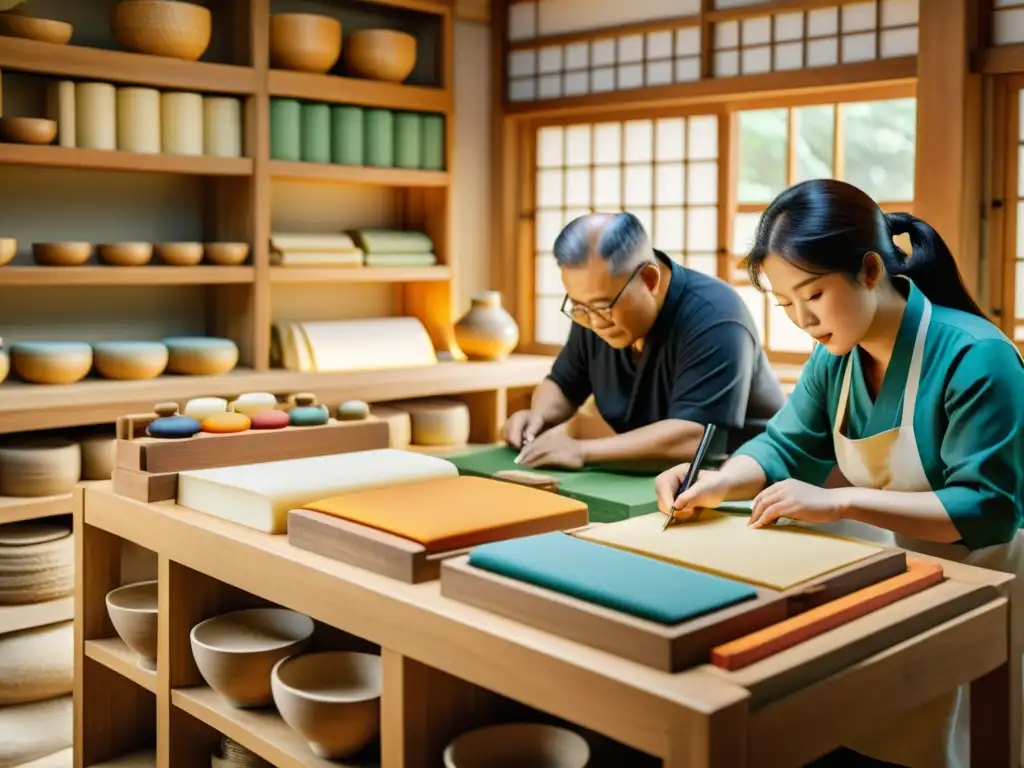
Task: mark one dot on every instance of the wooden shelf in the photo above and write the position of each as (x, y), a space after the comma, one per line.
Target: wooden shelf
(260, 730)
(14, 618)
(356, 174)
(63, 157)
(13, 509)
(112, 653)
(75, 61)
(359, 274)
(144, 275)
(358, 92)
(93, 401)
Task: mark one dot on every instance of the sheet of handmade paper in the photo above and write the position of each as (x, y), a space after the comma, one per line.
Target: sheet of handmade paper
(776, 557)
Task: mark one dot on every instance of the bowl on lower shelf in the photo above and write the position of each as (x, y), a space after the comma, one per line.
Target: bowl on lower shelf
(226, 254)
(67, 254)
(133, 612)
(179, 254)
(27, 130)
(130, 360)
(331, 699)
(237, 651)
(51, 362)
(201, 355)
(514, 744)
(125, 254)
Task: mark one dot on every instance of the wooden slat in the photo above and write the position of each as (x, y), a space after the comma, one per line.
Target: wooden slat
(150, 274)
(62, 157)
(13, 509)
(353, 174)
(350, 90)
(358, 274)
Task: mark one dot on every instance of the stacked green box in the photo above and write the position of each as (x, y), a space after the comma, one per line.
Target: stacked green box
(362, 136)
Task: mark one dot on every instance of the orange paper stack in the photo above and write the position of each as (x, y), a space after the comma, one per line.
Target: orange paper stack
(447, 513)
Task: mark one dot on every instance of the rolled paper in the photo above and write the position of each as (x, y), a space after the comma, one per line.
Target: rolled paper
(285, 129)
(379, 138)
(138, 120)
(408, 140)
(60, 107)
(96, 116)
(222, 126)
(316, 133)
(347, 135)
(181, 123)
(433, 142)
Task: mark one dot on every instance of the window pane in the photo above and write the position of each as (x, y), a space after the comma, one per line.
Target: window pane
(546, 276)
(815, 127)
(670, 140)
(668, 229)
(669, 179)
(549, 189)
(784, 335)
(638, 141)
(754, 300)
(763, 140)
(549, 147)
(701, 229)
(607, 143)
(702, 183)
(639, 183)
(879, 142)
(551, 324)
(744, 225)
(702, 143)
(549, 224)
(577, 145)
(606, 188)
(704, 262)
(577, 186)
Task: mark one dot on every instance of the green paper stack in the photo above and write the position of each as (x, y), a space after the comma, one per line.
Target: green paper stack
(609, 496)
(394, 247)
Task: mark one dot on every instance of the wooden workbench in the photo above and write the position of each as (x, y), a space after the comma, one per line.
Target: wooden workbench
(449, 667)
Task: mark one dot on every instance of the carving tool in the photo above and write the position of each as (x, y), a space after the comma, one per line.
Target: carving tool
(519, 456)
(691, 474)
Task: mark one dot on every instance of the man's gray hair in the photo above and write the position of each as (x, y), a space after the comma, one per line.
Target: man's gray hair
(617, 239)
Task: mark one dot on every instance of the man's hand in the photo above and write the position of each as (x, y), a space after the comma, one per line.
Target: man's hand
(554, 448)
(522, 427)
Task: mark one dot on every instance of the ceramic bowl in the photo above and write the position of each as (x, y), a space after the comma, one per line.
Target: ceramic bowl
(130, 360)
(69, 254)
(177, 30)
(133, 612)
(226, 254)
(51, 362)
(125, 254)
(381, 54)
(37, 467)
(179, 254)
(8, 250)
(201, 355)
(13, 24)
(237, 651)
(307, 42)
(516, 744)
(331, 699)
(27, 130)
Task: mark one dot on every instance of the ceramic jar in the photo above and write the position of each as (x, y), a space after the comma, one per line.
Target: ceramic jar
(487, 331)
(5, 362)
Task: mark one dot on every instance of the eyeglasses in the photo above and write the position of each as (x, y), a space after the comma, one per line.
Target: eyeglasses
(584, 315)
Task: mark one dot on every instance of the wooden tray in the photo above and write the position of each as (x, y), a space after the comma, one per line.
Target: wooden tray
(386, 553)
(147, 468)
(667, 648)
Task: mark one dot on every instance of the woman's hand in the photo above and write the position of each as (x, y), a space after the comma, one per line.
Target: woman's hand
(795, 500)
(709, 490)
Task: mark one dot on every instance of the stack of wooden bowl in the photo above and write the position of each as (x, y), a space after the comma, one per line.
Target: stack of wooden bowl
(169, 28)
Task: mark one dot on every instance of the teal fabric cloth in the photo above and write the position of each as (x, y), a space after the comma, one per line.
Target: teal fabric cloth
(969, 419)
(623, 581)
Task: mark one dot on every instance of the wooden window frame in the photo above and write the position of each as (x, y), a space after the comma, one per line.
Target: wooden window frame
(523, 187)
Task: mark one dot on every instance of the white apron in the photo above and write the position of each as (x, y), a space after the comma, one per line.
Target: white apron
(935, 735)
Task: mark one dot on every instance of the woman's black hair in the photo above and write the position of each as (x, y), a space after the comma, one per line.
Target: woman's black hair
(826, 226)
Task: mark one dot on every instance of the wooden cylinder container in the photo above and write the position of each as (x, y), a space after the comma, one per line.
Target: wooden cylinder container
(138, 120)
(181, 123)
(96, 116)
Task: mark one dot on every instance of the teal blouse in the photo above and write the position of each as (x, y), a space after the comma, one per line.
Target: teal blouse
(969, 419)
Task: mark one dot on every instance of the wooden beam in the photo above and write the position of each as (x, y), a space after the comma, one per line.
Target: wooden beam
(473, 10)
(947, 181)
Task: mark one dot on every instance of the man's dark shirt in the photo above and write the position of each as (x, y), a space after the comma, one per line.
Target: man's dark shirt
(702, 361)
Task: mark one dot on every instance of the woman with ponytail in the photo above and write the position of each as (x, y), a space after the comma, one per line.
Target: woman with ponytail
(911, 393)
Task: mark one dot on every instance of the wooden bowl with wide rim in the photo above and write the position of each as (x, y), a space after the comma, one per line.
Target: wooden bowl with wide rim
(304, 42)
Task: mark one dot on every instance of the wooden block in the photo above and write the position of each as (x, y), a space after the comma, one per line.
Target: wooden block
(147, 487)
(667, 648)
(134, 425)
(531, 479)
(766, 642)
(365, 547)
(207, 451)
(842, 581)
(399, 423)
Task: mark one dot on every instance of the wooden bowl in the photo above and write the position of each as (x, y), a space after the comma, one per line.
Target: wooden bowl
(307, 42)
(179, 254)
(332, 700)
(532, 744)
(201, 355)
(177, 30)
(27, 130)
(237, 651)
(125, 254)
(61, 254)
(8, 250)
(227, 254)
(133, 612)
(51, 362)
(13, 24)
(130, 360)
(381, 54)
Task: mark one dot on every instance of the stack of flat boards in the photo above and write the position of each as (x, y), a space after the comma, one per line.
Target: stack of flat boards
(666, 599)
(610, 496)
(260, 495)
(405, 531)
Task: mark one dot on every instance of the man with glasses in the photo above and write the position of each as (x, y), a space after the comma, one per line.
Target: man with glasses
(663, 349)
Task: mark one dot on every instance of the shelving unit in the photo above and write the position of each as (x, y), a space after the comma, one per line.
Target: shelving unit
(236, 202)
